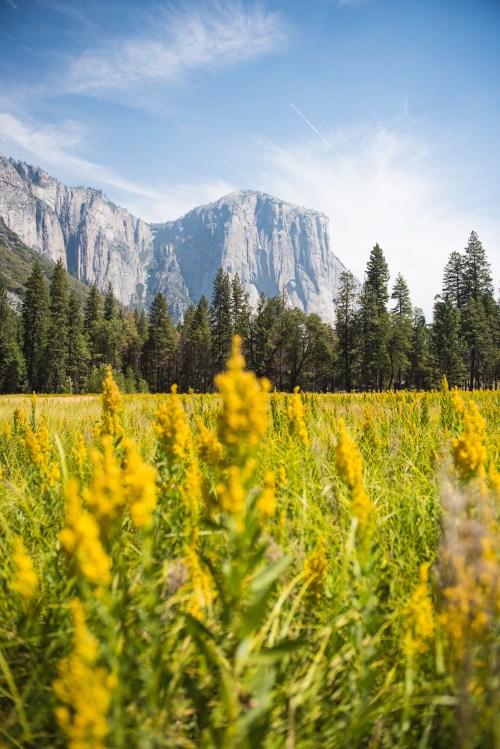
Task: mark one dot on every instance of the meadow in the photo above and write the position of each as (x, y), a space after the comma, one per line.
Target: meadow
(250, 569)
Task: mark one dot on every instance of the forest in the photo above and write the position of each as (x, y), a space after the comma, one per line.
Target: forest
(380, 341)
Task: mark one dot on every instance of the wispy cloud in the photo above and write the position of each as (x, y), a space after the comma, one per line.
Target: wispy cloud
(380, 185)
(56, 148)
(209, 36)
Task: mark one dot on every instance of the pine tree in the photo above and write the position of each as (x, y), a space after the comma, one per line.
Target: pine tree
(202, 336)
(374, 320)
(35, 318)
(420, 376)
(159, 346)
(401, 331)
(346, 325)
(132, 345)
(477, 279)
(221, 324)
(453, 280)
(78, 355)
(92, 318)
(447, 345)
(240, 308)
(57, 338)
(12, 364)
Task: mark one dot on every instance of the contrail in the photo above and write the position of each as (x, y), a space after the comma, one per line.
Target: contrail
(310, 125)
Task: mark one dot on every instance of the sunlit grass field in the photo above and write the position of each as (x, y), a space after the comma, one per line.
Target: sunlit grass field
(250, 569)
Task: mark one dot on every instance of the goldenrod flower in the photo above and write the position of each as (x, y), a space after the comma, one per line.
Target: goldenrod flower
(266, 504)
(191, 489)
(419, 617)
(208, 447)
(84, 688)
(350, 467)
(139, 482)
(295, 413)
(105, 497)
(469, 450)
(315, 569)
(231, 493)
(203, 588)
(80, 538)
(25, 577)
(37, 446)
(172, 428)
(111, 407)
(242, 421)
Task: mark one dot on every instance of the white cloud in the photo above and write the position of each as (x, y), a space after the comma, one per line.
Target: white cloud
(381, 186)
(215, 35)
(55, 148)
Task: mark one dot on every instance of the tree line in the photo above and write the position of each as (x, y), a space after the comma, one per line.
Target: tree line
(379, 340)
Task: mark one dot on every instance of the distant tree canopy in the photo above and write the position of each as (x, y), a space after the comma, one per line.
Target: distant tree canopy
(378, 340)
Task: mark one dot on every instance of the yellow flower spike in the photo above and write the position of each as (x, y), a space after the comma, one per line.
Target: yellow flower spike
(172, 428)
(203, 588)
(419, 617)
(139, 482)
(81, 453)
(266, 504)
(208, 447)
(469, 450)
(192, 489)
(84, 688)
(295, 413)
(80, 539)
(315, 569)
(350, 467)
(231, 493)
(111, 407)
(25, 577)
(242, 421)
(105, 498)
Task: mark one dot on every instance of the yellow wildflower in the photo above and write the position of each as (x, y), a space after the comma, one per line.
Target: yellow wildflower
(84, 688)
(25, 577)
(111, 407)
(295, 413)
(204, 591)
(350, 467)
(37, 446)
(469, 450)
(315, 569)
(208, 446)
(192, 488)
(266, 504)
(80, 539)
(139, 481)
(231, 493)
(242, 421)
(419, 617)
(172, 428)
(80, 452)
(105, 497)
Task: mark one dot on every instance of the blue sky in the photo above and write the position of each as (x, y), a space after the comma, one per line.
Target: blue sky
(383, 114)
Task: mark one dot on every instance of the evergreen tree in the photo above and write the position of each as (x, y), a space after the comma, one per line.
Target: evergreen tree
(401, 332)
(78, 355)
(132, 345)
(35, 319)
(374, 320)
(447, 346)
(92, 318)
(159, 346)
(58, 333)
(453, 280)
(187, 350)
(110, 304)
(221, 320)
(420, 376)
(12, 364)
(477, 279)
(240, 308)
(202, 337)
(346, 325)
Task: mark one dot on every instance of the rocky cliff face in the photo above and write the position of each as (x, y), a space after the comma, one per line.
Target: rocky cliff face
(98, 241)
(276, 248)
